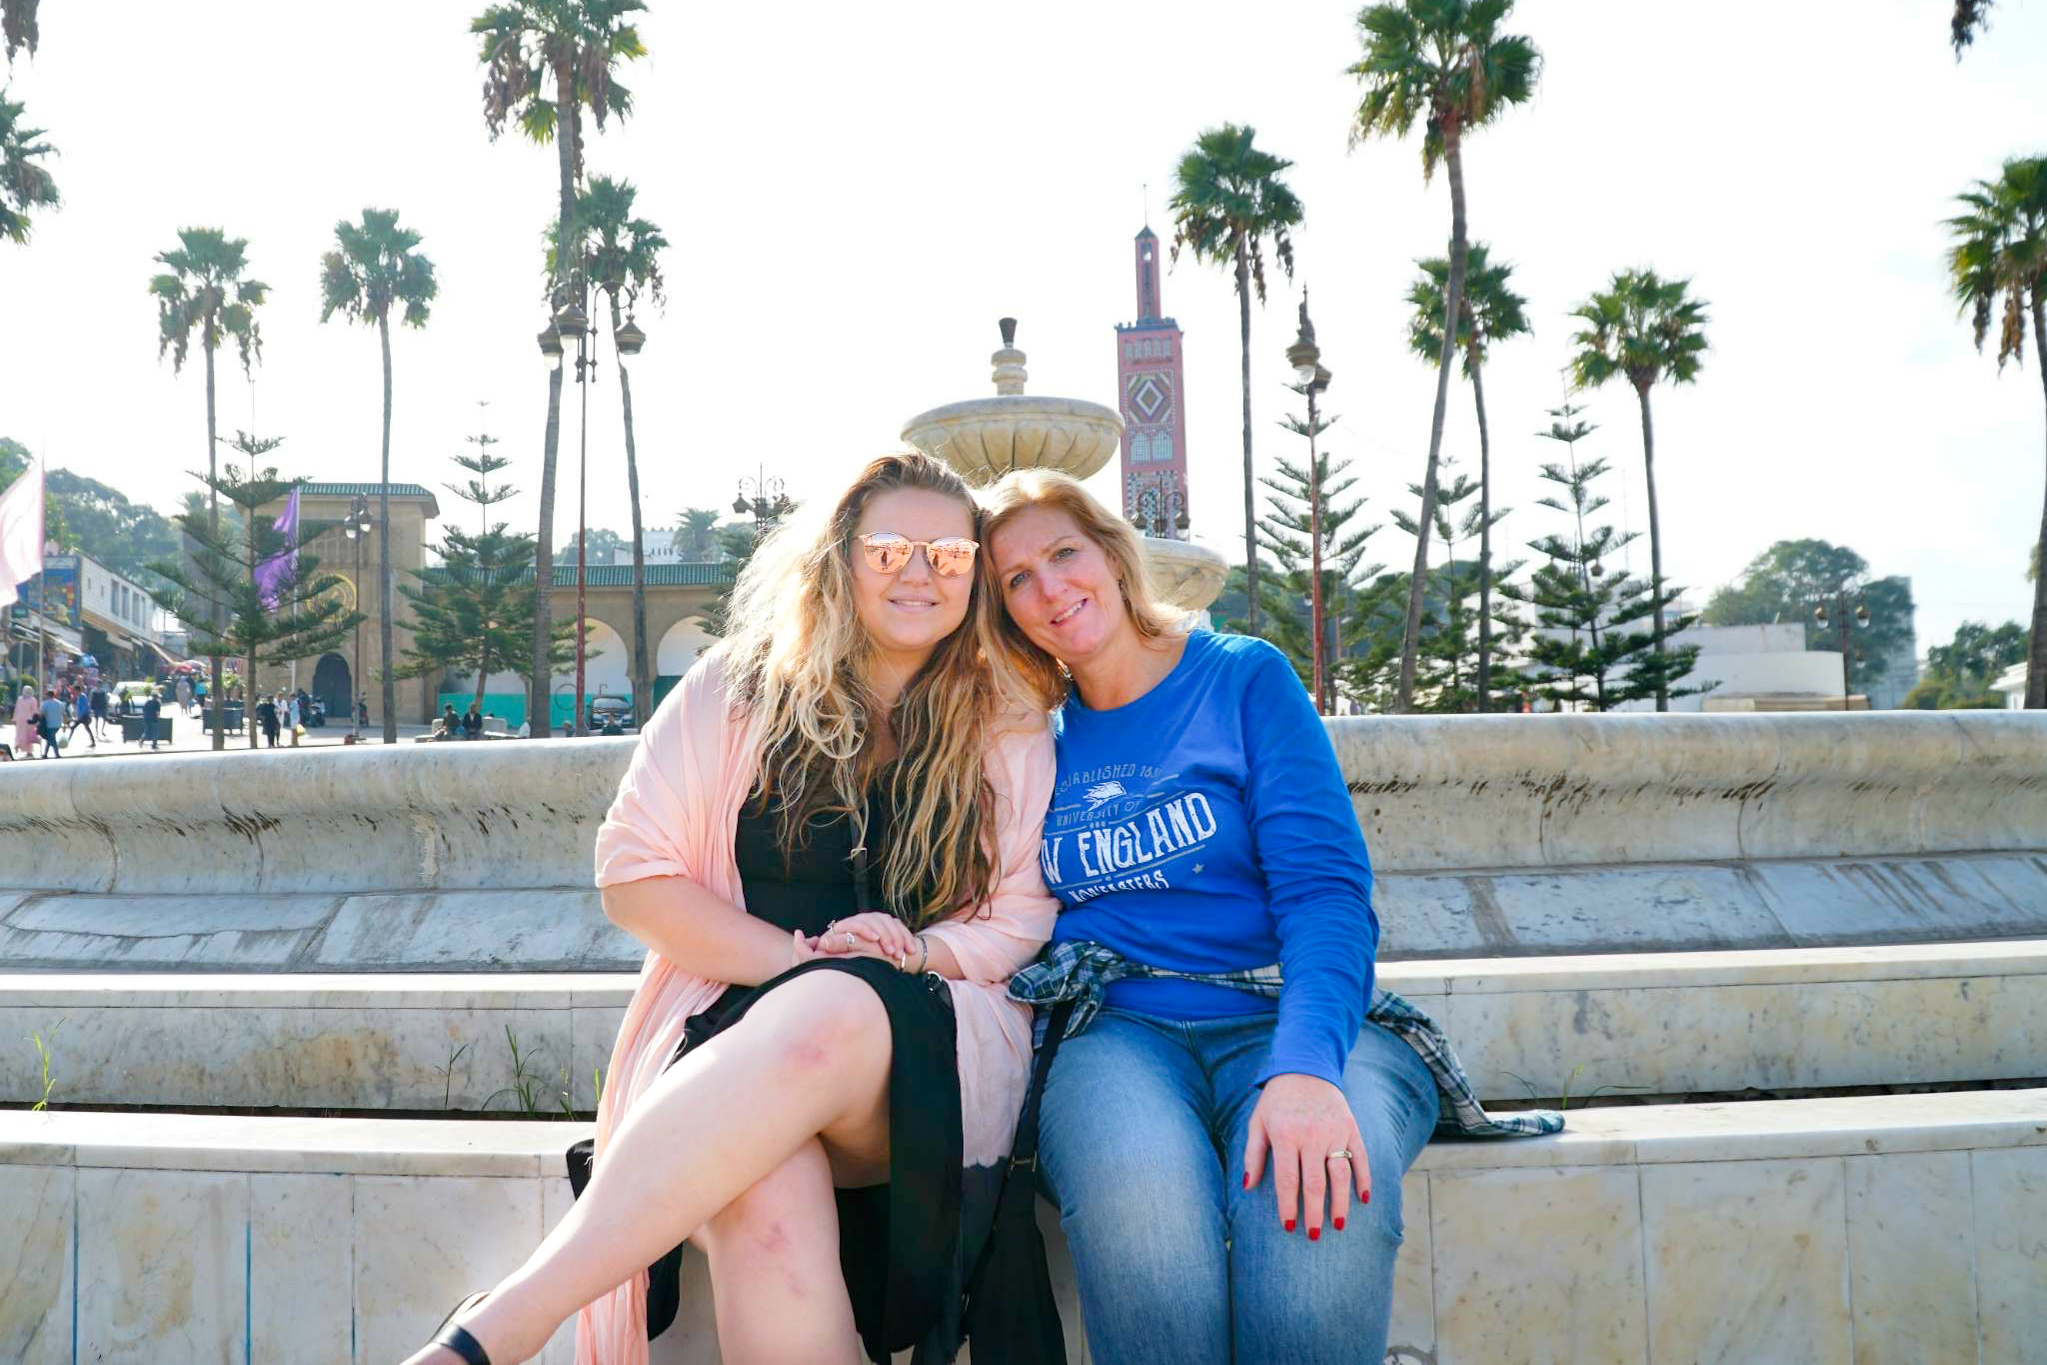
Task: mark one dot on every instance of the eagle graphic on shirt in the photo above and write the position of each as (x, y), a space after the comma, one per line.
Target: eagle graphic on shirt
(1102, 792)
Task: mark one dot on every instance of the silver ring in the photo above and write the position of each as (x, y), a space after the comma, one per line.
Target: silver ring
(1341, 1155)
(849, 943)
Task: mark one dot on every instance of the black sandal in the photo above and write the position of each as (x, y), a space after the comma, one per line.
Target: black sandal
(457, 1339)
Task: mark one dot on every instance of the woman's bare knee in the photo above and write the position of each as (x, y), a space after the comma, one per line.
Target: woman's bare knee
(824, 1023)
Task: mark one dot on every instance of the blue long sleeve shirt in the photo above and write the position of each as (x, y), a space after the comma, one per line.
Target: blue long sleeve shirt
(1206, 827)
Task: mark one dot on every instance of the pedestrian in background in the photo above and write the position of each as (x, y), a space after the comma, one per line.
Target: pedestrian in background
(28, 711)
(266, 716)
(80, 708)
(152, 708)
(52, 722)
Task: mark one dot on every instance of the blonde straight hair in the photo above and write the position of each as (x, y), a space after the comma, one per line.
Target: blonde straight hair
(1043, 677)
(799, 658)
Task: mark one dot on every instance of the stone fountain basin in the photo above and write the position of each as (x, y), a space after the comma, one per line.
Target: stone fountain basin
(985, 438)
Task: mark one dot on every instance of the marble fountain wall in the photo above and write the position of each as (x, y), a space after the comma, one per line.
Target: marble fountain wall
(1684, 904)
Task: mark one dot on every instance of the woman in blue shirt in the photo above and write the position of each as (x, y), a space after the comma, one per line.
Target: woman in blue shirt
(1199, 1137)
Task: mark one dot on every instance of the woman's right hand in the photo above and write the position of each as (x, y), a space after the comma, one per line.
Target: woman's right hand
(874, 934)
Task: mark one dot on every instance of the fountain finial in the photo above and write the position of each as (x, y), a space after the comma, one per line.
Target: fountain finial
(1009, 373)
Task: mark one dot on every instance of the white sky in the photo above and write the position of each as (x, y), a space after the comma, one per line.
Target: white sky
(856, 193)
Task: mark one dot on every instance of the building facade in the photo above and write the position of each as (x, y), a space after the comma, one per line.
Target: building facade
(1151, 392)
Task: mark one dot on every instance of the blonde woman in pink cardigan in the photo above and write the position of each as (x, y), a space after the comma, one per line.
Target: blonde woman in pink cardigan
(828, 840)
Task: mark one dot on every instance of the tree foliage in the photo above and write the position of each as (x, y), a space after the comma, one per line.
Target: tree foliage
(1595, 640)
(303, 615)
(1287, 531)
(1785, 583)
(473, 613)
(1959, 673)
(26, 185)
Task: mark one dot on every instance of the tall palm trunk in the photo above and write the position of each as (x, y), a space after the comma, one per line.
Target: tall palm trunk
(1250, 513)
(540, 682)
(388, 685)
(1655, 542)
(217, 692)
(643, 676)
(540, 687)
(1453, 302)
(1485, 545)
(2036, 664)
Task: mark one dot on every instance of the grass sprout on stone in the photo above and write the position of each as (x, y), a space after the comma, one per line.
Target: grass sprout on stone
(1564, 1092)
(524, 1087)
(448, 1076)
(42, 1045)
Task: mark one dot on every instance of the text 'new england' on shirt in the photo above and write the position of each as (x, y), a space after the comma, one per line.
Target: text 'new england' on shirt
(1206, 827)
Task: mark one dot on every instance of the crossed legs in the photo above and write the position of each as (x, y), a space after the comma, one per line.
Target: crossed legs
(740, 1143)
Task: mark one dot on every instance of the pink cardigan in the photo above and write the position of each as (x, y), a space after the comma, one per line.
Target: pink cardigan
(674, 816)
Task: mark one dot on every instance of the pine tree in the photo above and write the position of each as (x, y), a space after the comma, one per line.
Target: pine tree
(1446, 668)
(474, 613)
(1584, 652)
(301, 616)
(1284, 597)
(735, 547)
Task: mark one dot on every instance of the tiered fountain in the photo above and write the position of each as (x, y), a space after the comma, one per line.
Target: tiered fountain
(985, 438)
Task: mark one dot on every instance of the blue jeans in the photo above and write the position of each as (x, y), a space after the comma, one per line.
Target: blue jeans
(1142, 1148)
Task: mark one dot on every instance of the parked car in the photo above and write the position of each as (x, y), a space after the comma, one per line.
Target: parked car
(609, 709)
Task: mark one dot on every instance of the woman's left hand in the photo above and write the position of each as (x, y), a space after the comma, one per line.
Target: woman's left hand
(1302, 1122)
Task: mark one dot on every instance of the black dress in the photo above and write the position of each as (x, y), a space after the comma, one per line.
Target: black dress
(899, 1243)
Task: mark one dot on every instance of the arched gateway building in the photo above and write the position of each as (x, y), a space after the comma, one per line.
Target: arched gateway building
(677, 595)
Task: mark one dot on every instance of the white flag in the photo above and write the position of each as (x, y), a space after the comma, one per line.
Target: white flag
(21, 533)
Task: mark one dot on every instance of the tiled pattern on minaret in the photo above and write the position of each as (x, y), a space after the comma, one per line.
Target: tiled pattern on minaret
(1150, 384)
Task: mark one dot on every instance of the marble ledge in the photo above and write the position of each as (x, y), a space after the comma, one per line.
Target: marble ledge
(288, 1145)
(1747, 967)
(333, 990)
(1616, 1136)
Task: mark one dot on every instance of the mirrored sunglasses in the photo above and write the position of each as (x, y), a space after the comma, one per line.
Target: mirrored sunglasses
(888, 552)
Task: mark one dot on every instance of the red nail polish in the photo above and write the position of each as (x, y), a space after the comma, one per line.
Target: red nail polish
(1247, 1180)
(1367, 1199)
(1337, 1223)
(1314, 1234)
(1289, 1225)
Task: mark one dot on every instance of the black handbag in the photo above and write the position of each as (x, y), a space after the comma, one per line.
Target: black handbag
(1008, 1309)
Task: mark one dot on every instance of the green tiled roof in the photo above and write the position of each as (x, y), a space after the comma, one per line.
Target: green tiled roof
(621, 575)
(364, 490)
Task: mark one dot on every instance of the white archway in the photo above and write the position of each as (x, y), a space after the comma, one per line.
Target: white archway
(685, 640)
(607, 665)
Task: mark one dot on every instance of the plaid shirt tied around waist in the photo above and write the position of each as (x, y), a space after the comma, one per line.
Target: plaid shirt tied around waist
(1082, 972)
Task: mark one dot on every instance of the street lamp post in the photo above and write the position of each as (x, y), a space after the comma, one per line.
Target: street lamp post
(1161, 511)
(767, 499)
(1305, 357)
(1840, 619)
(357, 528)
(571, 321)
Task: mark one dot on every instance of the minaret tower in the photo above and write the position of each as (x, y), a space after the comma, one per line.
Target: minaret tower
(1149, 382)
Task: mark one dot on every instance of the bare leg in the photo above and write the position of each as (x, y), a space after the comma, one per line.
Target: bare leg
(775, 1276)
(809, 1061)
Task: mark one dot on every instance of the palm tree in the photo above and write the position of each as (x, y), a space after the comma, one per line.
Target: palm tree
(1642, 329)
(373, 270)
(1491, 312)
(1970, 17)
(204, 290)
(695, 541)
(1227, 199)
(18, 27)
(1446, 63)
(2000, 256)
(567, 49)
(24, 185)
(623, 258)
